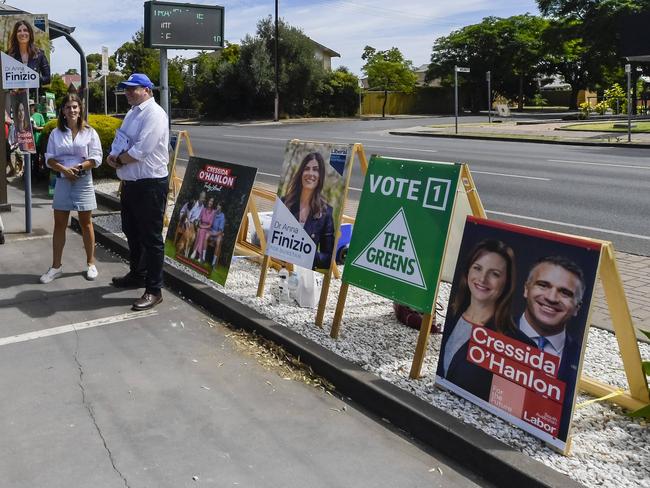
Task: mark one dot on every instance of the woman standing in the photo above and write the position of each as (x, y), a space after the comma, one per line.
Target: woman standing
(22, 48)
(205, 222)
(305, 201)
(483, 299)
(72, 151)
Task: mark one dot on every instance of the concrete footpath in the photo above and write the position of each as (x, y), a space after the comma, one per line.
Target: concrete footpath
(633, 269)
(97, 395)
(530, 130)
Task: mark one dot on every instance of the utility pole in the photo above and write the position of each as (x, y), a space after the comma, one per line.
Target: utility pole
(276, 114)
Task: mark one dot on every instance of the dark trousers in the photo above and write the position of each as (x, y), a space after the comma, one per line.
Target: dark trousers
(143, 208)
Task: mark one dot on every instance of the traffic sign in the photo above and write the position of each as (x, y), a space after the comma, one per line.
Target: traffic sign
(460, 69)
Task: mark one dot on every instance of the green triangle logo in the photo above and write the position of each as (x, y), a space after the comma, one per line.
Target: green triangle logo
(392, 253)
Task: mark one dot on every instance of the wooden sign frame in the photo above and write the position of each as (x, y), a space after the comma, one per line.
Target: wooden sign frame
(637, 395)
(467, 190)
(357, 152)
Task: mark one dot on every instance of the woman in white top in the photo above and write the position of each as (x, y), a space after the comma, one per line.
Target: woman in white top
(73, 149)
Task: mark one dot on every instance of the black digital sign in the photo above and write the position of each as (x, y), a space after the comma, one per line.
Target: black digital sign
(183, 26)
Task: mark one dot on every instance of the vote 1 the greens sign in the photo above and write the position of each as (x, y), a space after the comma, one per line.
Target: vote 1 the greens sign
(401, 228)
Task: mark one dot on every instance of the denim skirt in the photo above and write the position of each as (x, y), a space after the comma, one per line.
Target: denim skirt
(76, 195)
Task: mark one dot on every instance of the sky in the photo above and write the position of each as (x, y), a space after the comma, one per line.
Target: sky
(345, 26)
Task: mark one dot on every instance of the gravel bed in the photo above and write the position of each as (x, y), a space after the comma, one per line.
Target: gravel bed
(608, 448)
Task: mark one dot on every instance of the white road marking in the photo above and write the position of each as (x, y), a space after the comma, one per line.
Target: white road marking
(510, 176)
(362, 141)
(402, 148)
(29, 238)
(632, 166)
(565, 224)
(38, 334)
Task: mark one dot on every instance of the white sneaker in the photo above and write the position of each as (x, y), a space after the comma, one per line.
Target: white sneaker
(92, 272)
(52, 274)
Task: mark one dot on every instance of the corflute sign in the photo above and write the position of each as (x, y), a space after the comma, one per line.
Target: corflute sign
(17, 75)
(397, 252)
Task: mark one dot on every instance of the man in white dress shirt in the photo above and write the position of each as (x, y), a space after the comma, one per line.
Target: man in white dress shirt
(140, 155)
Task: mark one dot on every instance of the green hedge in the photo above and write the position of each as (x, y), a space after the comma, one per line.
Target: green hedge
(106, 126)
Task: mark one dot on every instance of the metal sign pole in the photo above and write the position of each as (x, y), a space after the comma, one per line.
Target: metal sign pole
(456, 96)
(489, 83)
(27, 176)
(628, 72)
(164, 82)
(105, 97)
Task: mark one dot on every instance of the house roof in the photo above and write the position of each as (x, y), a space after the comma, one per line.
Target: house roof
(331, 53)
(56, 29)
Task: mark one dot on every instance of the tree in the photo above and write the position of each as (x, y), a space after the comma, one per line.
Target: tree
(583, 40)
(94, 61)
(301, 74)
(133, 57)
(338, 95)
(241, 81)
(72, 71)
(388, 71)
(511, 49)
(59, 88)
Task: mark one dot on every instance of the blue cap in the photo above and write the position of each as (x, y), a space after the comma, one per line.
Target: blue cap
(137, 79)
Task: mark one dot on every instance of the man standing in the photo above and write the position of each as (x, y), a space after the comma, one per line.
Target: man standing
(553, 292)
(140, 155)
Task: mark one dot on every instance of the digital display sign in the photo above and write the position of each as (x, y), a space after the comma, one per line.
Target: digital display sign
(183, 26)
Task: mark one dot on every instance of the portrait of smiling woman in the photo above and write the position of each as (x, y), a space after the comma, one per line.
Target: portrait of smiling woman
(483, 299)
(306, 203)
(22, 47)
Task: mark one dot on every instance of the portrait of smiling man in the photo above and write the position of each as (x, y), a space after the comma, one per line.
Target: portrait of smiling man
(554, 292)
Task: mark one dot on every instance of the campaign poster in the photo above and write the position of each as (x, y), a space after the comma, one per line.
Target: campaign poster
(309, 204)
(39, 24)
(209, 209)
(517, 324)
(21, 130)
(401, 229)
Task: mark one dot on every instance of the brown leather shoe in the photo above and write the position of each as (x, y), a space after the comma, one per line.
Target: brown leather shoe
(128, 281)
(147, 301)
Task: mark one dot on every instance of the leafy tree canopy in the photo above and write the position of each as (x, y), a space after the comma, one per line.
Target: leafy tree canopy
(388, 71)
(510, 48)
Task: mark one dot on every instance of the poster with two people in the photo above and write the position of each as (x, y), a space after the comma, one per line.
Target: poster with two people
(517, 323)
(309, 203)
(209, 208)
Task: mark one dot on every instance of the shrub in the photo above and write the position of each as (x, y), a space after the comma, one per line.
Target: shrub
(585, 110)
(539, 100)
(106, 126)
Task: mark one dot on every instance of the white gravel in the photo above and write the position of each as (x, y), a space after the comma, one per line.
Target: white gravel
(608, 448)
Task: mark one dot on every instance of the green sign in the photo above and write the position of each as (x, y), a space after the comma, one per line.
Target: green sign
(401, 228)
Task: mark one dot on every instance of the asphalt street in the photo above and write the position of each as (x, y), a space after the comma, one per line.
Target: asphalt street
(598, 192)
